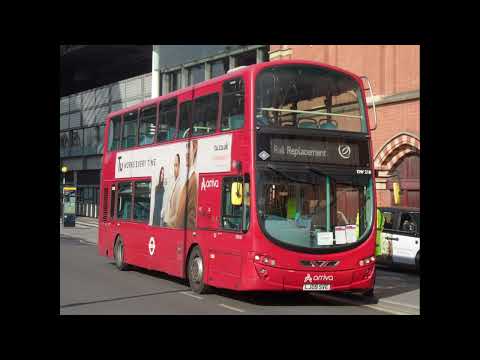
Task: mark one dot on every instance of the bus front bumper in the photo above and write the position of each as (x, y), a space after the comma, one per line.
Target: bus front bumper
(277, 279)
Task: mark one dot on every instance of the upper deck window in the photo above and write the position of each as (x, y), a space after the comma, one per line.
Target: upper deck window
(167, 120)
(130, 127)
(148, 121)
(233, 104)
(184, 129)
(304, 96)
(205, 115)
(114, 134)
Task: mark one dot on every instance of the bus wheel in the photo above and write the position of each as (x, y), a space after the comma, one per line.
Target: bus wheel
(417, 261)
(118, 254)
(195, 272)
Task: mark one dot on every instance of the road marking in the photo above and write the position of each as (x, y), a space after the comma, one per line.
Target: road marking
(190, 294)
(400, 304)
(374, 307)
(231, 308)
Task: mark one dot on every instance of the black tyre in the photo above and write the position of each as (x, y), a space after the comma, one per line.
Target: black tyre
(417, 261)
(196, 273)
(118, 251)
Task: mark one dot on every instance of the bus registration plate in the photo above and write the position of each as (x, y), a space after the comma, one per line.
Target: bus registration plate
(316, 287)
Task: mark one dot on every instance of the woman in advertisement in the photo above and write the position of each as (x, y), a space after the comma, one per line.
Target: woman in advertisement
(159, 192)
(171, 204)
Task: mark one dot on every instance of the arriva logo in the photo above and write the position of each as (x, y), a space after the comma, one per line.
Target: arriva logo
(309, 278)
(212, 183)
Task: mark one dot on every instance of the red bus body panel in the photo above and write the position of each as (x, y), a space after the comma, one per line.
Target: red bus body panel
(228, 255)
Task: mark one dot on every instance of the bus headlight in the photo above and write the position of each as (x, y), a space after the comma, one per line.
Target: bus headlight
(366, 261)
(265, 260)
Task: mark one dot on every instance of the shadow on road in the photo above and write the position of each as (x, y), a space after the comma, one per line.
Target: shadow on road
(405, 280)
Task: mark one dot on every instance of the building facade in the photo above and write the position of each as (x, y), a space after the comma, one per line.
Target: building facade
(82, 114)
(393, 71)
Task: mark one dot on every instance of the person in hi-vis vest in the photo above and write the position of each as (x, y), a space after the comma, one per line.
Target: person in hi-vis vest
(380, 224)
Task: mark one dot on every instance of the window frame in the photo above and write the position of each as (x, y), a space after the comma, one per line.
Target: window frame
(140, 117)
(147, 220)
(159, 110)
(117, 200)
(192, 116)
(189, 120)
(221, 102)
(110, 126)
(137, 129)
(231, 178)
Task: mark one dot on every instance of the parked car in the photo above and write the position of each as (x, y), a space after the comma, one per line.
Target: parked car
(401, 237)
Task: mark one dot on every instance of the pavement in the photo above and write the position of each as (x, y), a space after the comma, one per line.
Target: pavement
(397, 291)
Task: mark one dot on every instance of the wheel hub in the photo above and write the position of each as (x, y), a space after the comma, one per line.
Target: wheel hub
(197, 269)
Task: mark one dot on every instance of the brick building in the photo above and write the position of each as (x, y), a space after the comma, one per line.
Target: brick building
(394, 72)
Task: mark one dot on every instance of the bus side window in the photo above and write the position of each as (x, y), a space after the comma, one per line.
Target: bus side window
(130, 129)
(148, 121)
(124, 203)
(141, 201)
(205, 112)
(114, 134)
(184, 129)
(233, 104)
(167, 121)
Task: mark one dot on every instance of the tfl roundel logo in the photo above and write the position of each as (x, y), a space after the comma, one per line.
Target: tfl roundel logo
(344, 151)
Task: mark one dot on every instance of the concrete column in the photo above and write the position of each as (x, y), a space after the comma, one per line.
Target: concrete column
(155, 71)
(207, 70)
(184, 77)
(260, 55)
(165, 83)
(231, 62)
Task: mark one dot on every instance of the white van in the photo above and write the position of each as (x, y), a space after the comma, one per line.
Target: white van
(400, 237)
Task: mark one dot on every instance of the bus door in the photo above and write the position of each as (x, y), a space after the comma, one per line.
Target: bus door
(224, 252)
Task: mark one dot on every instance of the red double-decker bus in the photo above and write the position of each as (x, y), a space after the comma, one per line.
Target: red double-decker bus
(260, 179)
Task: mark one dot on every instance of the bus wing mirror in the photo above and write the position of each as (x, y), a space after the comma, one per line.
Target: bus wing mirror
(236, 193)
(373, 101)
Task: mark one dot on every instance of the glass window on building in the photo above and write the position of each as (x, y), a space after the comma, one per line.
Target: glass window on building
(167, 121)
(101, 133)
(205, 115)
(173, 81)
(148, 122)
(196, 74)
(141, 205)
(185, 118)
(130, 127)
(124, 203)
(114, 134)
(91, 140)
(219, 67)
(246, 58)
(64, 143)
(76, 142)
(233, 104)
